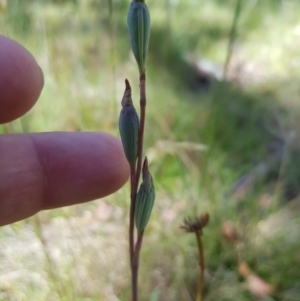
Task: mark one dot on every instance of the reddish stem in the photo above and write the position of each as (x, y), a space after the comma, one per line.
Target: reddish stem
(202, 267)
(135, 176)
(142, 126)
(135, 265)
(131, 216)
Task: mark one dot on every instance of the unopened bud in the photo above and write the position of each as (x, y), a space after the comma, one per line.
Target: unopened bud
(138, 21)
(144, 200)
(129, 126)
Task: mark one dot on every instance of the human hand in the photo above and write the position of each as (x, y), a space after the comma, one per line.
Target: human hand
(48, 170)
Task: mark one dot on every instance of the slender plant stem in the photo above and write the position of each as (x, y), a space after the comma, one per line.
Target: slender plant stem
(132, 209)
(202, 267)
(232, 36)
(135, 176)
(142, 126)
(135, 265)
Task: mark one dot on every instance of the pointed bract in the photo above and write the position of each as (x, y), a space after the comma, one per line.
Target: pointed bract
(129, 126)
(144, 200)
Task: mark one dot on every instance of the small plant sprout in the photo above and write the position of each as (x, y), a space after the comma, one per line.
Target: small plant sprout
(132, 135)
(196, 226)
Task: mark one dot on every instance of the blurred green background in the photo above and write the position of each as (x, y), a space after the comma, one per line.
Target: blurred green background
(221, 136)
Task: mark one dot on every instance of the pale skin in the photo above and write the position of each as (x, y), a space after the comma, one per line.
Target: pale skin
(48, 170)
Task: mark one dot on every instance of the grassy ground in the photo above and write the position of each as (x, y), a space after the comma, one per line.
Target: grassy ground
(228, 147)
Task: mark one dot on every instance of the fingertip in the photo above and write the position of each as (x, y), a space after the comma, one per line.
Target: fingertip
(116, 169)
(21, 80)
(80, 167)
(51, 170)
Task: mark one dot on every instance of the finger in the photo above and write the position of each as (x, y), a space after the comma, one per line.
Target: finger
(49, 170)
(21, 80)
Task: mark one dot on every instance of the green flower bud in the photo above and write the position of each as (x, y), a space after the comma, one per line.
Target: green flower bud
(129, 126)
(144, 200)
(138, 21)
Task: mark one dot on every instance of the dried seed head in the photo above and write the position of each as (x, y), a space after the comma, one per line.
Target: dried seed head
(195, 225)
(129, 126)
(144, 200)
